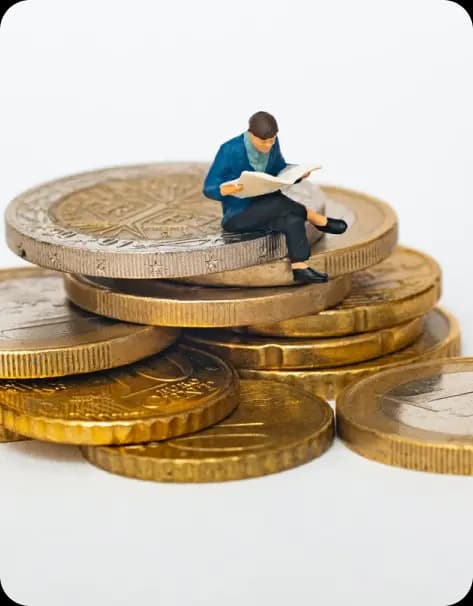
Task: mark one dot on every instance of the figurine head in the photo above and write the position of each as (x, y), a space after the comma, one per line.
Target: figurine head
(262, 130)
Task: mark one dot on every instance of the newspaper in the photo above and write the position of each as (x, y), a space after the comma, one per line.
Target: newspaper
(256, 183)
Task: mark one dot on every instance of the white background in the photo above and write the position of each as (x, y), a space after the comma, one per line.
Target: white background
(380, 93)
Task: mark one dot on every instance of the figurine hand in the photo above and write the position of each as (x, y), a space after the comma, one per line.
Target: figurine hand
(304, 176)
(228, 190)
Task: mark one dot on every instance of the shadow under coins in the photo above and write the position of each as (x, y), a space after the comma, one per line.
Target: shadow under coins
(48, 451)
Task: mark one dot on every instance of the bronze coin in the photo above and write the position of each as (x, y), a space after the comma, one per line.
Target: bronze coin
(275, 427)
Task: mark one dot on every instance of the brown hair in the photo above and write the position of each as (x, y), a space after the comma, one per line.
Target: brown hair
(263, 125)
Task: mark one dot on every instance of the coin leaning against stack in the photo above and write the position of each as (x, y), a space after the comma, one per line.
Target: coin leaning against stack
(242, 392)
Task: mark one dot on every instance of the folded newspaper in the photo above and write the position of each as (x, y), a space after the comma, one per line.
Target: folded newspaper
(256, 183)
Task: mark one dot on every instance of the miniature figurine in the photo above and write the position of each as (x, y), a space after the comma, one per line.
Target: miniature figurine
(257, 149)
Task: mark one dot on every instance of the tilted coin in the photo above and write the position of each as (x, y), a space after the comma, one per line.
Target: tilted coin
(418, 417)
(43, 335)
(275, 427)
(248, 351)
(149, 221)
(172, 304)
(371, 237)
(440, 338)
(173, 393)
(404, 286)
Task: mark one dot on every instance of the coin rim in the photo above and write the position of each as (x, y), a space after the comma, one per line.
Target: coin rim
(165, 311)
(329, 382)
(139, 430)
(50, 362)
(443, 454)
(365, 317)
(248, 351)
(223, 469)
(13, 437)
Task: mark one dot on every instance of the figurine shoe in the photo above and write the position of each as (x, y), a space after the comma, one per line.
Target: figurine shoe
(308, 275)
(334, 226)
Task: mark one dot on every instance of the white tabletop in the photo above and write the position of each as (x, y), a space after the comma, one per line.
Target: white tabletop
(379, 93)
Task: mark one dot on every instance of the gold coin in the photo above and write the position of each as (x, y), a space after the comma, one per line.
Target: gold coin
(404, 286)
(418, 417)
(171, 304)
(273, 353)
(369, 239)
(440, 338)
(175, 392)
(42, 335)
(275, 427)
(149, 221)
(9, 436)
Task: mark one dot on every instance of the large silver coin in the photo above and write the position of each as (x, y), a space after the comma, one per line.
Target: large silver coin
(149, 221)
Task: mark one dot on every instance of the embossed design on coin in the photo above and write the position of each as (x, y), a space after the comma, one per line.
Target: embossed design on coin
(440, 338)
(149, 221)
(176, 392)
(438, 403)
(404, 286)
(43, 335)
(141, 209)
(419, 416)
(274, 428)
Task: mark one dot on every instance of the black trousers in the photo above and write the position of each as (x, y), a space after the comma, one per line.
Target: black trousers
(275, 212)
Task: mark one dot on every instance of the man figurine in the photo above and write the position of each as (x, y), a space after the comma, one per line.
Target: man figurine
(257, 149)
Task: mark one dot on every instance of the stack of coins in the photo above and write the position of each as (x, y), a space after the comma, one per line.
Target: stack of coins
(109, 385)
(95, 356)
(388, 319)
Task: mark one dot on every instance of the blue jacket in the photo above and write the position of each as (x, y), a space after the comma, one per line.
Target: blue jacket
(230, 161)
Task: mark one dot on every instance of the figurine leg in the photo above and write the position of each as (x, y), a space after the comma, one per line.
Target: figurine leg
(298, 250)
(293, 227)
(275, 214)
(276, 204)
(326, 224)
(265, 208)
